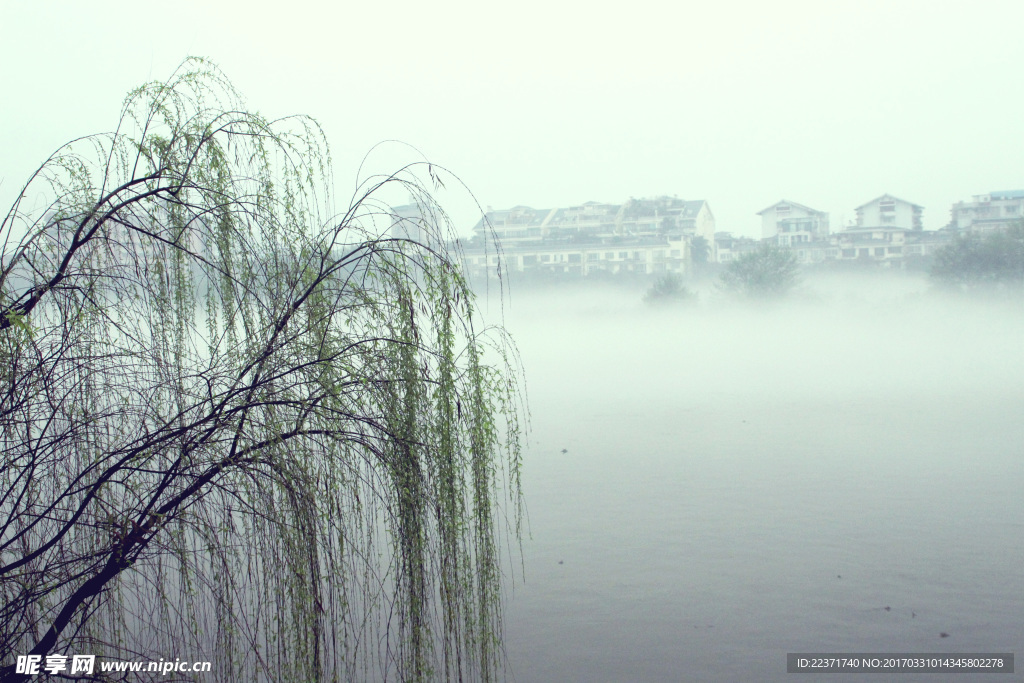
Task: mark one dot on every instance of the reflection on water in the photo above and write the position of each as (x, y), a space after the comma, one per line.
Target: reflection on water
(839, 475)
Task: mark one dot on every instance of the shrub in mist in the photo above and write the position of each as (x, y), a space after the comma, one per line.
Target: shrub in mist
(982, 262)
(668, 288)
(768, 272)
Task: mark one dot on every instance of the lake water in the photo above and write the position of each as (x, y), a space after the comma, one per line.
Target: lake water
(843, 474)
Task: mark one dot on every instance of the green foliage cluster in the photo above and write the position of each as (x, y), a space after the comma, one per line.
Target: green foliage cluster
(667, 289)
(767, 272)
(239, 424)
(993, 261)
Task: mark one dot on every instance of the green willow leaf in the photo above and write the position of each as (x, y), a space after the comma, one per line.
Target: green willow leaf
(240, 425)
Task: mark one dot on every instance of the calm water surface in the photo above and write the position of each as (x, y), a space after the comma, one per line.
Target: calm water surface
(841, 475)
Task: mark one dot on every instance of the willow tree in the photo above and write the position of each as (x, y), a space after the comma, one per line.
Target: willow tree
(237, 425)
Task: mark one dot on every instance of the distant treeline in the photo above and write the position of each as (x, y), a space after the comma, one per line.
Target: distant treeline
(977, 262)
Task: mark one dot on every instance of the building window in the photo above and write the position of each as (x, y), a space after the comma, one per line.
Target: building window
(609, 255)
(545, 258)
(623, 254)
(575, 258)
(879, 251)
(593, 257)
(675, 253)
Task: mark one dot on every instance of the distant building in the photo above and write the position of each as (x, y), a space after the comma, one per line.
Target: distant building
(638, 236)
(925, 243)
(889, 212)
(787, 223)
(667, 215)
(728, 247)
(870, 244)
(407, 222)
(884, 227)
(988, 212)
(639, 255)
(636, 217)
(815, 252)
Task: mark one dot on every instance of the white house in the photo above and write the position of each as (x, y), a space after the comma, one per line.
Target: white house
(639, 255)
(988, 212)
(638, 236)
(407, 222)
(729, 247)
(636, 217)
(881, 232)
(787, 224)
(889, 212)
(515, 224)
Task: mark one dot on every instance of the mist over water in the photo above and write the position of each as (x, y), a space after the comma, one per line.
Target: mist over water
(838, 473)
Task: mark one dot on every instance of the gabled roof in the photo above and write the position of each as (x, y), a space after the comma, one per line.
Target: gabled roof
(692, 207)
(788, 203)
(888, 196)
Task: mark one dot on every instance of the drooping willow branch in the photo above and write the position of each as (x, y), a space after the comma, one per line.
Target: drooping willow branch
(238, 425)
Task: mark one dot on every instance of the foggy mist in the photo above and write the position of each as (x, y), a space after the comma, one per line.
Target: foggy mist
(713, 486)
(709, 485)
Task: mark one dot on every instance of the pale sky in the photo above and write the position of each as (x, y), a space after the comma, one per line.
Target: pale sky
(828, 103)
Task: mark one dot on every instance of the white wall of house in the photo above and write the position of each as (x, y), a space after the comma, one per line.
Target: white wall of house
(705, 227)
(789, 223)
(993, 211)
(889, 212)
(672, 255)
